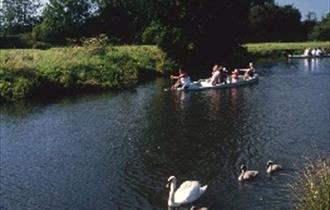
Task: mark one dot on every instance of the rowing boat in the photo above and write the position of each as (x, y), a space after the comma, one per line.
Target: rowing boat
(309, 56)
(204, 84)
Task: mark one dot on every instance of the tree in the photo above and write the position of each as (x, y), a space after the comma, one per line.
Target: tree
(322, 30)
(18, 16)
(121, 20)
(308, 24)
(270, 22)
(62, 19)
(201, 32)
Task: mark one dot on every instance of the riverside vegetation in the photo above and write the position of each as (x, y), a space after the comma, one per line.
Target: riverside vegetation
(94, 66)
(312, 189)
(271, 49)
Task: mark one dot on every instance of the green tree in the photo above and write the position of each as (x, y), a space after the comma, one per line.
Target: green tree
(18, 16)
(308, 24)
(322, 30)
(121, 20)
(270, 22)
(62, 19)
(200, 32)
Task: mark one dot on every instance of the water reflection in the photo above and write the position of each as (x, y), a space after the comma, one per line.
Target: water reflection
(311, 65)
(117, 151)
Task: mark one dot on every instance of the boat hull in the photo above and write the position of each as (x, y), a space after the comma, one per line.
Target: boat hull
(308, 57)
(204, 85)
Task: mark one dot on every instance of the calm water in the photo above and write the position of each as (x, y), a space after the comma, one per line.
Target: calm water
(116, 150)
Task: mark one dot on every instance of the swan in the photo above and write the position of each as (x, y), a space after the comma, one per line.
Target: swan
(271, 167)
(246, 175)
(188, 192)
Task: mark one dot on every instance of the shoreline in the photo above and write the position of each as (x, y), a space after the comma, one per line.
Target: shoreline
(31, 73)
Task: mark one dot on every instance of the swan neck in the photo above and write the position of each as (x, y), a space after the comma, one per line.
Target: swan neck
(171, 194)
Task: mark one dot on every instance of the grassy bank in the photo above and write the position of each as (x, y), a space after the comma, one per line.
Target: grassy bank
(312, 189)
(282, 48)
(29, 72)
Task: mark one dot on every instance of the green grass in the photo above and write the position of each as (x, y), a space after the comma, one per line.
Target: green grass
(29, 72)
(312, 188)
(282, 48)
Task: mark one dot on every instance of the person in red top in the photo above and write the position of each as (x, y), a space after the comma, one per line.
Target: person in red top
(234, 76)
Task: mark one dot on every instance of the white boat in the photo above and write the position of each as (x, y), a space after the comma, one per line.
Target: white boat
(204, 84)
(309, 56)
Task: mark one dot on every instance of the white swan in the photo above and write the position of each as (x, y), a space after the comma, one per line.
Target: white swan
(271, 167)
(188, 192)
(246, 175)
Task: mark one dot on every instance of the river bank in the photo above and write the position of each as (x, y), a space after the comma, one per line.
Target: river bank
(280, 49)
(28, 73)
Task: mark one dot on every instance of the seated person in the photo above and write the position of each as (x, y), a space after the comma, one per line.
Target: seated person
(313, 52)
(307, 52)
(234, 76)
(215, 79)
(318, 52)
(249, 72)
(223, 75)
(183, 80)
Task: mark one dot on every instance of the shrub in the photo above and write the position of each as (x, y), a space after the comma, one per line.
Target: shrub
(41, 45)
(312, 189)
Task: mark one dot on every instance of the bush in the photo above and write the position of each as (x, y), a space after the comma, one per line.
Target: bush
(312, 189)
(10, 42)
(153, 33)
(41, 45)
(96, 65)
(96, 45)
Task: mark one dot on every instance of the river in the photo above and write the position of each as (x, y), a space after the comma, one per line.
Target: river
(116, 150)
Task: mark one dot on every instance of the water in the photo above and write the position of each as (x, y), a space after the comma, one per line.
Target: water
(116, 150)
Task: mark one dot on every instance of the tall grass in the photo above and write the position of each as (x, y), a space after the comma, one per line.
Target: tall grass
(312, 189)
(282, 48)
(29, 72)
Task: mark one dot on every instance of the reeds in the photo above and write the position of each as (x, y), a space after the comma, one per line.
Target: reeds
(311, 190)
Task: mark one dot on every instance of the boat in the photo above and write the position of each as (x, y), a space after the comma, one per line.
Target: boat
(204, 84)
(309, 56)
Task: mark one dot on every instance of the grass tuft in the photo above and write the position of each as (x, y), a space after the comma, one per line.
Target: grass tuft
(311, 191)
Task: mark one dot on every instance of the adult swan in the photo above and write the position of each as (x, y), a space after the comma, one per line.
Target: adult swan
(188, 192)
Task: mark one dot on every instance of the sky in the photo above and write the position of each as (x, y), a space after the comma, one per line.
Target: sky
(320, 7)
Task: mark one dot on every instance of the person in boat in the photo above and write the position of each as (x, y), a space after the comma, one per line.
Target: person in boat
(215, 78)
(307, 52)
(323, 51)
(313, 52)
(249, 72)
(182, 80)
(234, 76)
(318, 52)
(223, 75)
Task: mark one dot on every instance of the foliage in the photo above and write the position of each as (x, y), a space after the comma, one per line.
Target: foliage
(199, 33)
(153, 33)
(280, 49)
(18, 16)
(25, 73)
(308, 24)
(269, 23)
(62, 19)
(41, 45)
(312, 189)
(322, 30)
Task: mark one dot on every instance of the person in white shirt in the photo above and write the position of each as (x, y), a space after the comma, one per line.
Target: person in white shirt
(182, 80)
